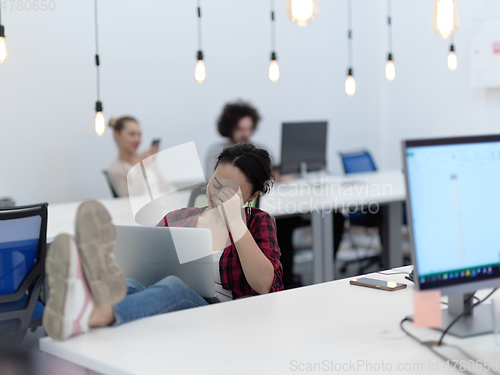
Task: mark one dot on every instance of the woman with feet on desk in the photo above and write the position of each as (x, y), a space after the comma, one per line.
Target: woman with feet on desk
(87, 288)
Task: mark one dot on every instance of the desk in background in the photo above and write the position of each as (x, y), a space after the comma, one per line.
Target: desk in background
(320, 195)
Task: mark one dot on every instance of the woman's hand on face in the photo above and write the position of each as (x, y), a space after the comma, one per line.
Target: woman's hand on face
(230, 206)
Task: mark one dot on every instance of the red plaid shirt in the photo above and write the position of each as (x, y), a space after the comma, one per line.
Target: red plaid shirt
(261, 227)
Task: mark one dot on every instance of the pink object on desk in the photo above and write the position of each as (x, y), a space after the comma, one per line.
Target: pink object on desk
(427, 309)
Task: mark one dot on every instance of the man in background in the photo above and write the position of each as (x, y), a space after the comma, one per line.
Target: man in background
(237, 123)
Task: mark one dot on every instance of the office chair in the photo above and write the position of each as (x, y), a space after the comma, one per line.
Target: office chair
(105, 172)
(358, 162)
(23, 237)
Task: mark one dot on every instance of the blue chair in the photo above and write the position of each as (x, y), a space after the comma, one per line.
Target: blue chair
(357, 162)
(23, 237)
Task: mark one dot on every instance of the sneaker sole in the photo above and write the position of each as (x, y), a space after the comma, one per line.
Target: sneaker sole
(95, 237)
(61, 267)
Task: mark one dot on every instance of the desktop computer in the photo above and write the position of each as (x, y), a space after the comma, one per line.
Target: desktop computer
(303, 147)
(453, 206)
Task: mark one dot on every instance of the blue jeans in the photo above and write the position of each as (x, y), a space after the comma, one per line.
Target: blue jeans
(167, 295)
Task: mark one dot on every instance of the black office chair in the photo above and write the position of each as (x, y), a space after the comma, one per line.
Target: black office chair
(105, 172)
(23, 237)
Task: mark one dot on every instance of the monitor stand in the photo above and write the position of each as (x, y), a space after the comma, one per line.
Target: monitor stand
(475, 323)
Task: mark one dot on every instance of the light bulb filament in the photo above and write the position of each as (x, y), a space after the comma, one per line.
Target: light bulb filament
(274, 71)
(200, 73)
(350, 85)
(301, 11)
(3, 50)
(99, 124)
(452, 61)
(445, 21)
(390, 70)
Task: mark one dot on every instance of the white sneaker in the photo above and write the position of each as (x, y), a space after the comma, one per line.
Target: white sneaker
(95, 238)
(70, 301)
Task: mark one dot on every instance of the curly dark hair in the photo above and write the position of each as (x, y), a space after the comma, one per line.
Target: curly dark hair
(232, 114)
(253, 162)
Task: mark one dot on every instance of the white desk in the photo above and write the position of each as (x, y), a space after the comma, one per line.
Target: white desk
(320, 196)
(332, 321)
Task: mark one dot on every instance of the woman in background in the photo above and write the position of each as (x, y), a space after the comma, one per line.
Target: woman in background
(127, 134)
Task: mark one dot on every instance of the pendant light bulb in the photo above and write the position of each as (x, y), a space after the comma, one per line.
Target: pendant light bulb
(390, 69)
(99, 122)
(452, 59)
(200, 73)
(274, 69)
(4, 54)
(350, 84)
(445, 21)
(302, 11)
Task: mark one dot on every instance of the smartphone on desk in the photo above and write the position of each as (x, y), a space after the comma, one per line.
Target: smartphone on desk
(377, 284)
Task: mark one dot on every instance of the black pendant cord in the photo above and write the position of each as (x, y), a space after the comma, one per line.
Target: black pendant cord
(97, 61)
(452, 43)
(2, 29)
(200, 53)
(389, 26)
(349, 32)
(273, 31)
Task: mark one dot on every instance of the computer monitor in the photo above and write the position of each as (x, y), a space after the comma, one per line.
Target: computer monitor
(453, 205)
(303, 147)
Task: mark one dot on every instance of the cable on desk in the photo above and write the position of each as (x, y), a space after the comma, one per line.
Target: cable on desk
(430, 345)
(466, 311)
(394, 273)
(426, 344)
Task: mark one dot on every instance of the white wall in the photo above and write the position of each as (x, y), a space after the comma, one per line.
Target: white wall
(427, 99)
(48, 149)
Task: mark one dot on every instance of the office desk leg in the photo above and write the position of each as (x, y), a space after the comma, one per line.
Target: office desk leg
(393, 220)
(322, 233)
(328, 266)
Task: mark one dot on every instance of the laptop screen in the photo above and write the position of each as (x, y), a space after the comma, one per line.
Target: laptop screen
(454, 194)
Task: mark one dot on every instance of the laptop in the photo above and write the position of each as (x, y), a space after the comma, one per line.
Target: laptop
(148, 254)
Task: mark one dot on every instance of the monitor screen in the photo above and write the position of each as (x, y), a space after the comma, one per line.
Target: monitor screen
(303, 142)
(453, 186)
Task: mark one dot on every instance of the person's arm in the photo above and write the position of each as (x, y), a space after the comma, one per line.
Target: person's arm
(258, 269)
